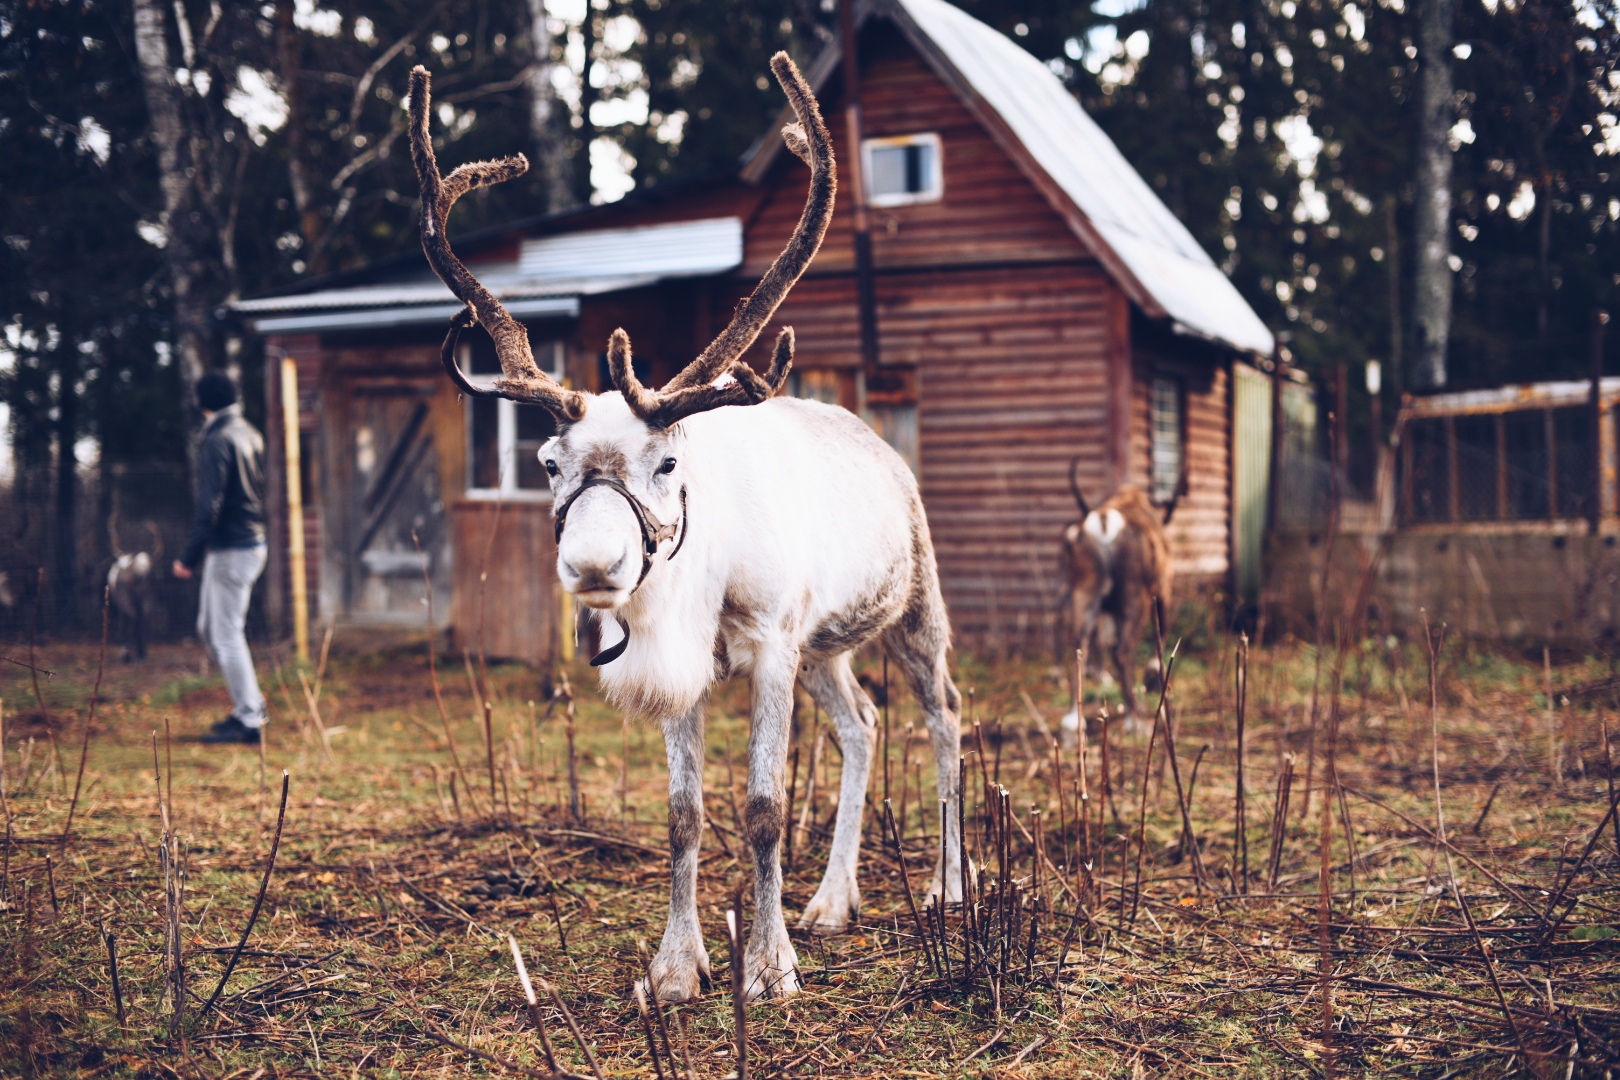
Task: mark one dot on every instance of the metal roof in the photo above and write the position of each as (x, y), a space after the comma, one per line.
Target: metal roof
(1154, 246)
(547, 280)
(376, 318)
(1030, 113)
(677, 249)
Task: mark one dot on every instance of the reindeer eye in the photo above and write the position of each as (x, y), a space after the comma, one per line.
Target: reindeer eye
(551, 467)
(667, 467)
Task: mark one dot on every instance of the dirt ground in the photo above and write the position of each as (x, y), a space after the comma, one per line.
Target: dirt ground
(1116, 947)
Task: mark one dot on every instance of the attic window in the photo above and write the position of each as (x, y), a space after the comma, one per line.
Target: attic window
(903, 169)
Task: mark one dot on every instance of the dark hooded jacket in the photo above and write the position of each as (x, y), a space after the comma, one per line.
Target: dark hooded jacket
(230, 488)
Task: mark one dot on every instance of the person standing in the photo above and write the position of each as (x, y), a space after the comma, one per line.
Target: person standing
(227, 541)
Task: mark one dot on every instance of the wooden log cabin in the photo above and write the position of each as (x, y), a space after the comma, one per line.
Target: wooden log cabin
(1034, 301)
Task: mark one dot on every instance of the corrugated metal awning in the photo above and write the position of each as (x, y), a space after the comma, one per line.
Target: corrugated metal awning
(556, 307)
(678, 249)
(551, 275)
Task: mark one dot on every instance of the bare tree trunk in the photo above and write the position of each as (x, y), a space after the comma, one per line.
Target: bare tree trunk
(66, 568)
(183, 250)
(1544, 206)
(310, 225)
(1397, 332)
(546, 121)
(587, 98)
(1432, 309)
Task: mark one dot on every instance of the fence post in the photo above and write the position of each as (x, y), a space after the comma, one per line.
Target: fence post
(1595, 506)
(291, 438)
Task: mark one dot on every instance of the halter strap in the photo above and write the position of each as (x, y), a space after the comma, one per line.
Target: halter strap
(653, 533)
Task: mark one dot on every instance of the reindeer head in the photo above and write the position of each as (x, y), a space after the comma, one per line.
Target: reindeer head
(615, 464)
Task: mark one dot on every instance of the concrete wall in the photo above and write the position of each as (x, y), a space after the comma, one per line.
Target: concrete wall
(1548, 582)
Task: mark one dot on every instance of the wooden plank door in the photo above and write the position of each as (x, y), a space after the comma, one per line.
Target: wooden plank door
(394, 517)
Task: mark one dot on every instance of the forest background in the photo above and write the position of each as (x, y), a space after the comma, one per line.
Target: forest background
(158, 160)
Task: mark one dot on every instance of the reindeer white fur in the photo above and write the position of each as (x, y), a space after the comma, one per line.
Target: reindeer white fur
(767, 541)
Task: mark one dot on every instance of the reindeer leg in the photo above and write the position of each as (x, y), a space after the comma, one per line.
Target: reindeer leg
(770, 964)
(838, 898)
(681, 969)
(1129, 625)
(917, 646)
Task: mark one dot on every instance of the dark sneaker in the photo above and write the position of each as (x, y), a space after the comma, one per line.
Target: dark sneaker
(232, 730)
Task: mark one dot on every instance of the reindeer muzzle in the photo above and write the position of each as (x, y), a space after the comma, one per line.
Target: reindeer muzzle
(653, 533)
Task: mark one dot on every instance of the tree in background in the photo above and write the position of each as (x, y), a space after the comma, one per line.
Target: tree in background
(1437, 114)
(1286, 135)
(84, 322)
(199, 151)
(157, 160)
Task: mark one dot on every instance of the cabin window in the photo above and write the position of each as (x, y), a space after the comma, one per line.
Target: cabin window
(504, 437)
(1164, 420)
(903, 169)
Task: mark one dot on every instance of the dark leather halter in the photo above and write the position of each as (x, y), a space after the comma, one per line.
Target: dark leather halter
(653, 533)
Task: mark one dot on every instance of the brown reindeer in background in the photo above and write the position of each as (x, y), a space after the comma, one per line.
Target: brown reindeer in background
(1115, 562)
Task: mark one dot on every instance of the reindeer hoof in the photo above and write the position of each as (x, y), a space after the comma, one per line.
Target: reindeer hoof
(771, 970)
(679, 979)
(831, 911)
(947, 884)
(1069, 729)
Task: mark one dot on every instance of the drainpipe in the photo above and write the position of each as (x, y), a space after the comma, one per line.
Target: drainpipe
(857, 190)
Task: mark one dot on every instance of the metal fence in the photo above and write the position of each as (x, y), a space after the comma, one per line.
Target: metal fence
(1528, 464)
(54, 564)
(1303, 472)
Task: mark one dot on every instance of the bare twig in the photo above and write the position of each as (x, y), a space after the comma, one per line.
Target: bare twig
(739, 994)
(49, 675)
(258, 901)
(1475, 863)
(1552, 924)
(1240, 839)
(112, 968)
(89, 722)
(573, 1026)
(433, 668)
(646, 1029)
(533, 1002)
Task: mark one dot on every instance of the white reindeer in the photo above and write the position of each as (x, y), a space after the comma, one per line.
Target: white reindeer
(767, 542)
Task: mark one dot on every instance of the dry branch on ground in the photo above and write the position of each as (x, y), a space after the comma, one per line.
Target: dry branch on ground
(382, 945)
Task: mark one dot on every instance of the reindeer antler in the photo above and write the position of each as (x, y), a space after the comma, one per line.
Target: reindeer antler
(522, 380)
(701, 385)
(1074, 486)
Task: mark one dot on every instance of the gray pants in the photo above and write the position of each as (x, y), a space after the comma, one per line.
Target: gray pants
(227, 587)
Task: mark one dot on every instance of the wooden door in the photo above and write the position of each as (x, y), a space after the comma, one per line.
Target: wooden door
(392, 509)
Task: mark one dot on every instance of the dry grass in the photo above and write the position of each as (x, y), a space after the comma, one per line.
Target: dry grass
(381, 948)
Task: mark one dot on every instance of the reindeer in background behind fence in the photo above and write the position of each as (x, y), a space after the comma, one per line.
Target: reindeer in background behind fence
(769, 542)
(130, 587)
(1115, 561)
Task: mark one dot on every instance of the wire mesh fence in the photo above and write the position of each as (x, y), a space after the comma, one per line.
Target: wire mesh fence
(1527, 464)
(56, 554)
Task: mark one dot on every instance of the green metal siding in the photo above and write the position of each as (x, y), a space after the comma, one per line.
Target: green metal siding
(1251, 474)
